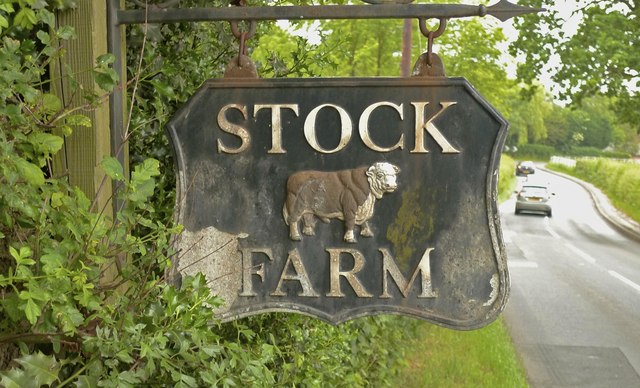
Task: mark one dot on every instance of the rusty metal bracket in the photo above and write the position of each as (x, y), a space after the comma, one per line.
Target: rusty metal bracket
(165, 5)
(242, 66)
(503, 10)
(430, 64)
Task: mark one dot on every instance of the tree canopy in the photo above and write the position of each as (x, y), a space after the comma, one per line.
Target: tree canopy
(601, 58)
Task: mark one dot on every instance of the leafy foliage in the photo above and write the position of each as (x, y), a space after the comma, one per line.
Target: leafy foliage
(534, 151)
(506, 177)
(620, 181)
(599, 58)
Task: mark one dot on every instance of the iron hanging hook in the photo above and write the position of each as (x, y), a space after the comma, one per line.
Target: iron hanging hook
(242, 37)
(430, 64)
(242, 65)
(238, 34)
(431, 35)
(425, 31)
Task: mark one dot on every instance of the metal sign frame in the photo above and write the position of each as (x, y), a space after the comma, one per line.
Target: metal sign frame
(433, 249)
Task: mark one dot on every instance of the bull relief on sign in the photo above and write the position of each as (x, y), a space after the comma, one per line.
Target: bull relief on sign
(347, 195)
(341, 198)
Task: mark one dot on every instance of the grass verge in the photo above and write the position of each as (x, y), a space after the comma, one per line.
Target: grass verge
(620, 181)
(448, 358)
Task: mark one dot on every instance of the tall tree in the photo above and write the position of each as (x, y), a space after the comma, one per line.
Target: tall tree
(596, 121)
(470, 49)
(602, 57)
(527, 118)
(364, 47)
(557, 124)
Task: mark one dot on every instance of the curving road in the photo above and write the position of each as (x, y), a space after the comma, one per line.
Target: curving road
(574, 309)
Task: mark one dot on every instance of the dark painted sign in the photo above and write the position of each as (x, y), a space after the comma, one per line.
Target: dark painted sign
(341, 198)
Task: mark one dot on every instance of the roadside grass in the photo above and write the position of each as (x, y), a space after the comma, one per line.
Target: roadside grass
(619, 181)
(507, 179)
(447, 358)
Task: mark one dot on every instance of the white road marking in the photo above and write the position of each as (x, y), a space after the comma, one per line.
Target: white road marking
(625, 280)
(522, 264)
(507, 236)
(580, 253)
(550, 229)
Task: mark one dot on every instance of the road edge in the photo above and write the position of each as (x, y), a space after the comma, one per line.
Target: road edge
(607, 211)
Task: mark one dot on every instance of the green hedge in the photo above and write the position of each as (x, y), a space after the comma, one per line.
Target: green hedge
(507, 180)
(594, 152)
(620, 181)
(544, 152)
(534, 152)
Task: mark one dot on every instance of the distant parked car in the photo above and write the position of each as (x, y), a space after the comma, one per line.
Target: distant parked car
(525, 168)
(534, 199)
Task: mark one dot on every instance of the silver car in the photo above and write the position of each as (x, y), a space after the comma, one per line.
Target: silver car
(534, 199)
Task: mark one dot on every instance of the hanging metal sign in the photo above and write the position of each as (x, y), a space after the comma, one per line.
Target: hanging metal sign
(341, 198)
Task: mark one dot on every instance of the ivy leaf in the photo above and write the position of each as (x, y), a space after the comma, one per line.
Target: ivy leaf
(42, 369)
(30, 172)
(112, 168)
(164, 89)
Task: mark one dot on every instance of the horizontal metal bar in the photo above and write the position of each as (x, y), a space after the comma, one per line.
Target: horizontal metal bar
(378, 11)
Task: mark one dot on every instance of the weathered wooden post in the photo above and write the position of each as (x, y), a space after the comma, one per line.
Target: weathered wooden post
(79, 160)
(83, 150)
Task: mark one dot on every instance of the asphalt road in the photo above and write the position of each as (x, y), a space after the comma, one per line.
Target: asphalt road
(574, 309)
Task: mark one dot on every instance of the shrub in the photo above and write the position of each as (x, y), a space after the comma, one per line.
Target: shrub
(595, 152)
(534, 152)
(620, 181)
(507, 179)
